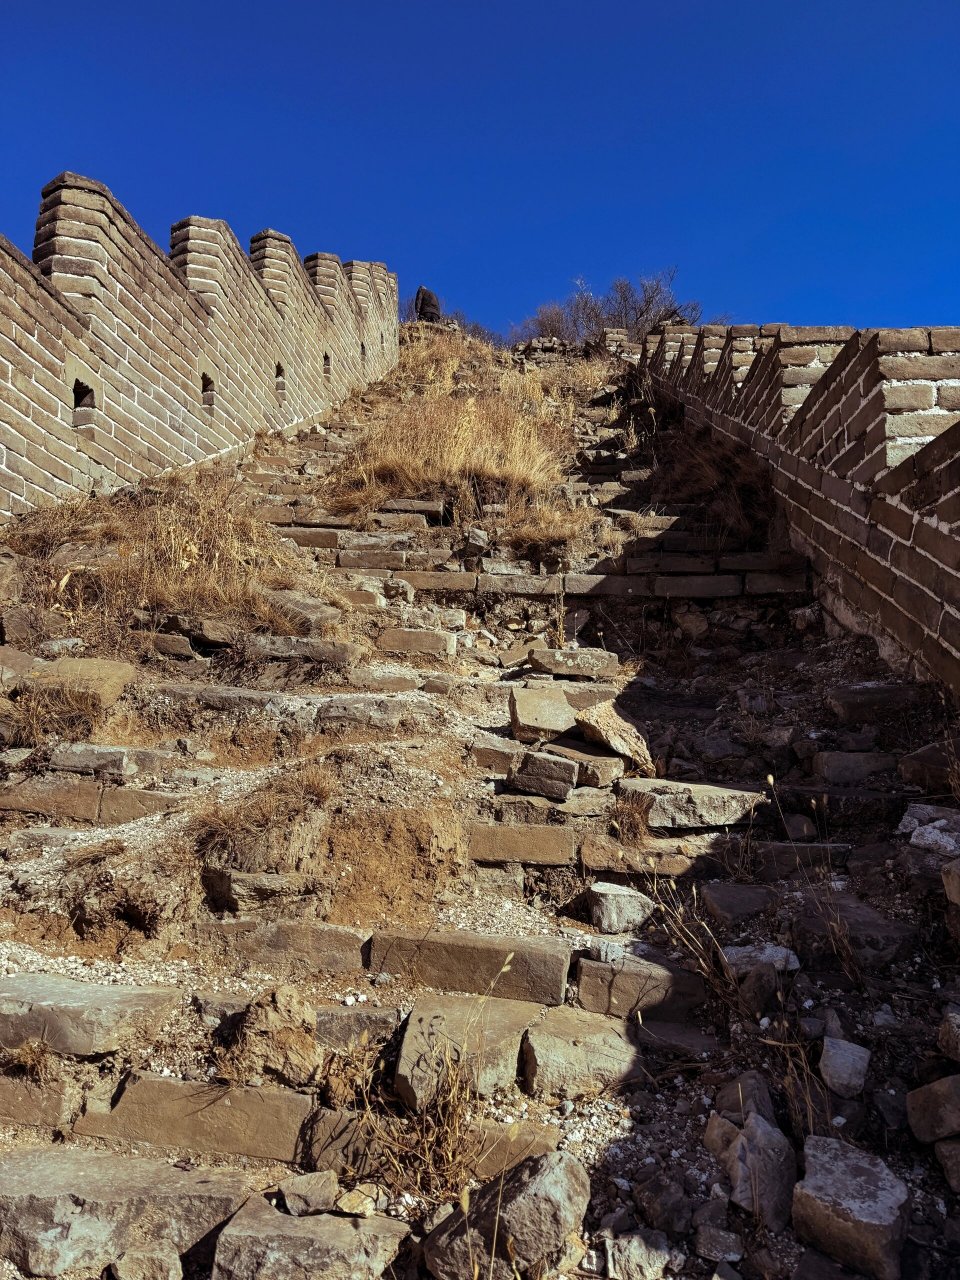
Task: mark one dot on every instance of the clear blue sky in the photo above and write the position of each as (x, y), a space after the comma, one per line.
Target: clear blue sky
(796, 162)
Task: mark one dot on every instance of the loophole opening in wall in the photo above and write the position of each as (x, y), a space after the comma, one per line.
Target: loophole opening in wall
(326, 365)
(84, 404)
(207, 391)
(382, 343)
(280, 383)
(363, 355)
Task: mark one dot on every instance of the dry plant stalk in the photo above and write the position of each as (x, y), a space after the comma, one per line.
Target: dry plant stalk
(434, 1152)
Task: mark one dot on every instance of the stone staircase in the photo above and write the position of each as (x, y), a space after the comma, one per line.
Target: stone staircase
(604, 728)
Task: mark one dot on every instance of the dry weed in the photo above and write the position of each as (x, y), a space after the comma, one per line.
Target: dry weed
(185, 543)
(264, 825)
(31, 1060)
(54, 712)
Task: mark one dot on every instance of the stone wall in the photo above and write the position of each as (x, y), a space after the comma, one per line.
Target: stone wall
(861, 430)
(117, 361)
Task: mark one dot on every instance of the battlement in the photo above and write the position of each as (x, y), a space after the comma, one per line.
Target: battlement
(861, 430)
(118, 361)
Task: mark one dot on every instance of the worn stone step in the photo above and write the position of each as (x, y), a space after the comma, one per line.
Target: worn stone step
(530, 844)
(403, 640)
(459, 960)
(652, 987)
(681, 806)
(70, 1209)
(79, 1018)
(80, 799)
(306, 710)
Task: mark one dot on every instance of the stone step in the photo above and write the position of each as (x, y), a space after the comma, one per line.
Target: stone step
(459, 960)
(79, 1019)
(682, 806)
(308, 711)
(74, 1210)
(80, 799)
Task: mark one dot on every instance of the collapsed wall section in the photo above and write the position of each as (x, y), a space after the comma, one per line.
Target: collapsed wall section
(861, 430)
(117, 361)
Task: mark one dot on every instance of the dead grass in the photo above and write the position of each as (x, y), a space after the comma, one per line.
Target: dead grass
(54, 712)
(471, 431)
(632, 819)
(256, 832)
(32, 1060)
(435, 1151)
(181, 544)
(431, 1153)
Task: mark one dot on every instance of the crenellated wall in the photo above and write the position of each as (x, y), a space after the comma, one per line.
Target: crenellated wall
(861, 430)
(117, 361)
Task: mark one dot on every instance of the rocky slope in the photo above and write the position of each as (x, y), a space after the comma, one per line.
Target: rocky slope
(495, 904)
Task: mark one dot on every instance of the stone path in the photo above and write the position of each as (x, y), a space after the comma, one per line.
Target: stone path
(547, 869)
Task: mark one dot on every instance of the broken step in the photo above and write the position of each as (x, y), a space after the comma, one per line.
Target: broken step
(682, 806)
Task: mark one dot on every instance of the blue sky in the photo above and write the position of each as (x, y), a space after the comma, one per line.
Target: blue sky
(796, 163)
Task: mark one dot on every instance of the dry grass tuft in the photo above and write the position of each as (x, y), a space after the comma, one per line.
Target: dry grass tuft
(54, 712)
(185, 543)
(32, 1060)
(472, 431)
(257, 829)
(632, 819)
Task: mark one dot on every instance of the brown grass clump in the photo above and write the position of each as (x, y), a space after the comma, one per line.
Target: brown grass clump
(472, 430)
(274, 828)
(31, 1060)
(185, 543)
(496, 447)
(432, 1153)
(54, 711)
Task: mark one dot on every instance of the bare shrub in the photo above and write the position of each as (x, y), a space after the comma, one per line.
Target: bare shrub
(636, 307)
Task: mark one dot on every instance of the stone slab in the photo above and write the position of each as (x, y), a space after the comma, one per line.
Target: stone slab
(79, 1018)
(625, 987)
(533, 844)
(206, 1118)
(459, 960)
(67, 1209)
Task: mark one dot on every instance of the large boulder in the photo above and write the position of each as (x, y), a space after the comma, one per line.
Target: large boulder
(70, 1209)
(261, 1243)
(520, 1225)
(616, 908)
(277, 1040)
(851, 1207)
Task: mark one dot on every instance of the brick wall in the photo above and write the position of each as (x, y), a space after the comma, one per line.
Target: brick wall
(861, 430)
(117, 361)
